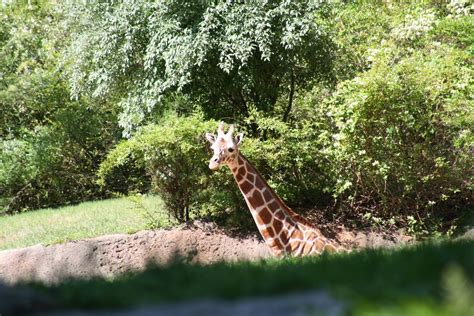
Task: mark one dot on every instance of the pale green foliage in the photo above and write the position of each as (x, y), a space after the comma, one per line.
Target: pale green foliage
(173, 155)
(458, 8)
(363, 107)
(349, 29)
(288, 156)
(414, 26)
(402, 131)
(227, 56)
(391, 144)
(457, 32)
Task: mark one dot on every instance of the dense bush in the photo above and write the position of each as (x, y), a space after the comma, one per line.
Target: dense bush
(55, 164)
(394, 143)
(173, 154)
(15, 169)
(289, 157)
(349, 24)
(401, 134)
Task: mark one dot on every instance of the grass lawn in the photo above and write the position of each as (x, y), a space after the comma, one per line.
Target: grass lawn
(426, 279)
(88, 219)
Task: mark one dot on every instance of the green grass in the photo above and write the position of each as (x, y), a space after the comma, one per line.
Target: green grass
(416, 280)
(88, 219)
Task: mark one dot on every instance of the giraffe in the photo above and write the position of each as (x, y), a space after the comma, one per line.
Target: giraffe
(285, 232)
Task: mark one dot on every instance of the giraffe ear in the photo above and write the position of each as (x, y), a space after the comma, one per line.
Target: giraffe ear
(238, 138)
(211, 138)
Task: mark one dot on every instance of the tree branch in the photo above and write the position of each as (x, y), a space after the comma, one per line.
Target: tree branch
(290, 98)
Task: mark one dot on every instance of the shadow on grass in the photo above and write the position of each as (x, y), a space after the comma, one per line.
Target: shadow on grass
(375, 277)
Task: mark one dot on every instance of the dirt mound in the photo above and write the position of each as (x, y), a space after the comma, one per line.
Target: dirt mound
(111, 255)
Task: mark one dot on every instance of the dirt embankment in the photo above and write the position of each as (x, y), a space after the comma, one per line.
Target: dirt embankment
(111, 255)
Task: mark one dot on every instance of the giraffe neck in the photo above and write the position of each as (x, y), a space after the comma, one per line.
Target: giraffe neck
(284, 231)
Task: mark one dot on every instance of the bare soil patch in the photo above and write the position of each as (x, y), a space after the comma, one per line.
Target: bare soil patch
(110, 255)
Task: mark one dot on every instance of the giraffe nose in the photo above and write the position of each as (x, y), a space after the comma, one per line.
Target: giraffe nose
(214, 163)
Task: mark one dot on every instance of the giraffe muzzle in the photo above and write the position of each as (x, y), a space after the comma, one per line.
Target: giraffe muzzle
(214, 164)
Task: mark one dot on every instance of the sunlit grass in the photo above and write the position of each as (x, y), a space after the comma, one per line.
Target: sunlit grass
(88, 219)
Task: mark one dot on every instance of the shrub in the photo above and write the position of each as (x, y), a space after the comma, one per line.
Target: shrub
(349, 23)
(55, 164)
(456, 32)
(289, 157)
(16, 170)
(173, 155)
(402, 133)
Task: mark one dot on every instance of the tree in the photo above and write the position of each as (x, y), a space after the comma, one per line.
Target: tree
(30, 88)
(228, 56)
(50, 145)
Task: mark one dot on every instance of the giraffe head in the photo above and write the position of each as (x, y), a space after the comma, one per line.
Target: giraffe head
(225, 146)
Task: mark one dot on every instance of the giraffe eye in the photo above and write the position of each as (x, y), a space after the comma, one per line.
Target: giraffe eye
(231, 149)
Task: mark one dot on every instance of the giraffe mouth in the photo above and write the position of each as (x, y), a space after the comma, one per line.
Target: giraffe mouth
(213, 165)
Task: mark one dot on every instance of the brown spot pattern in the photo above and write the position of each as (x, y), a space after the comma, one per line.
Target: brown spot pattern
(238, 177)
(267, 195)
(259, 220)
(277, 225)
(246, 187)
(278, 244)
(259, 183)
(301, 238)
(280, 215)
(265, 215)
(273, 206)
(251, 178)
(284, 238)
(268, 233)
(256, 199)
